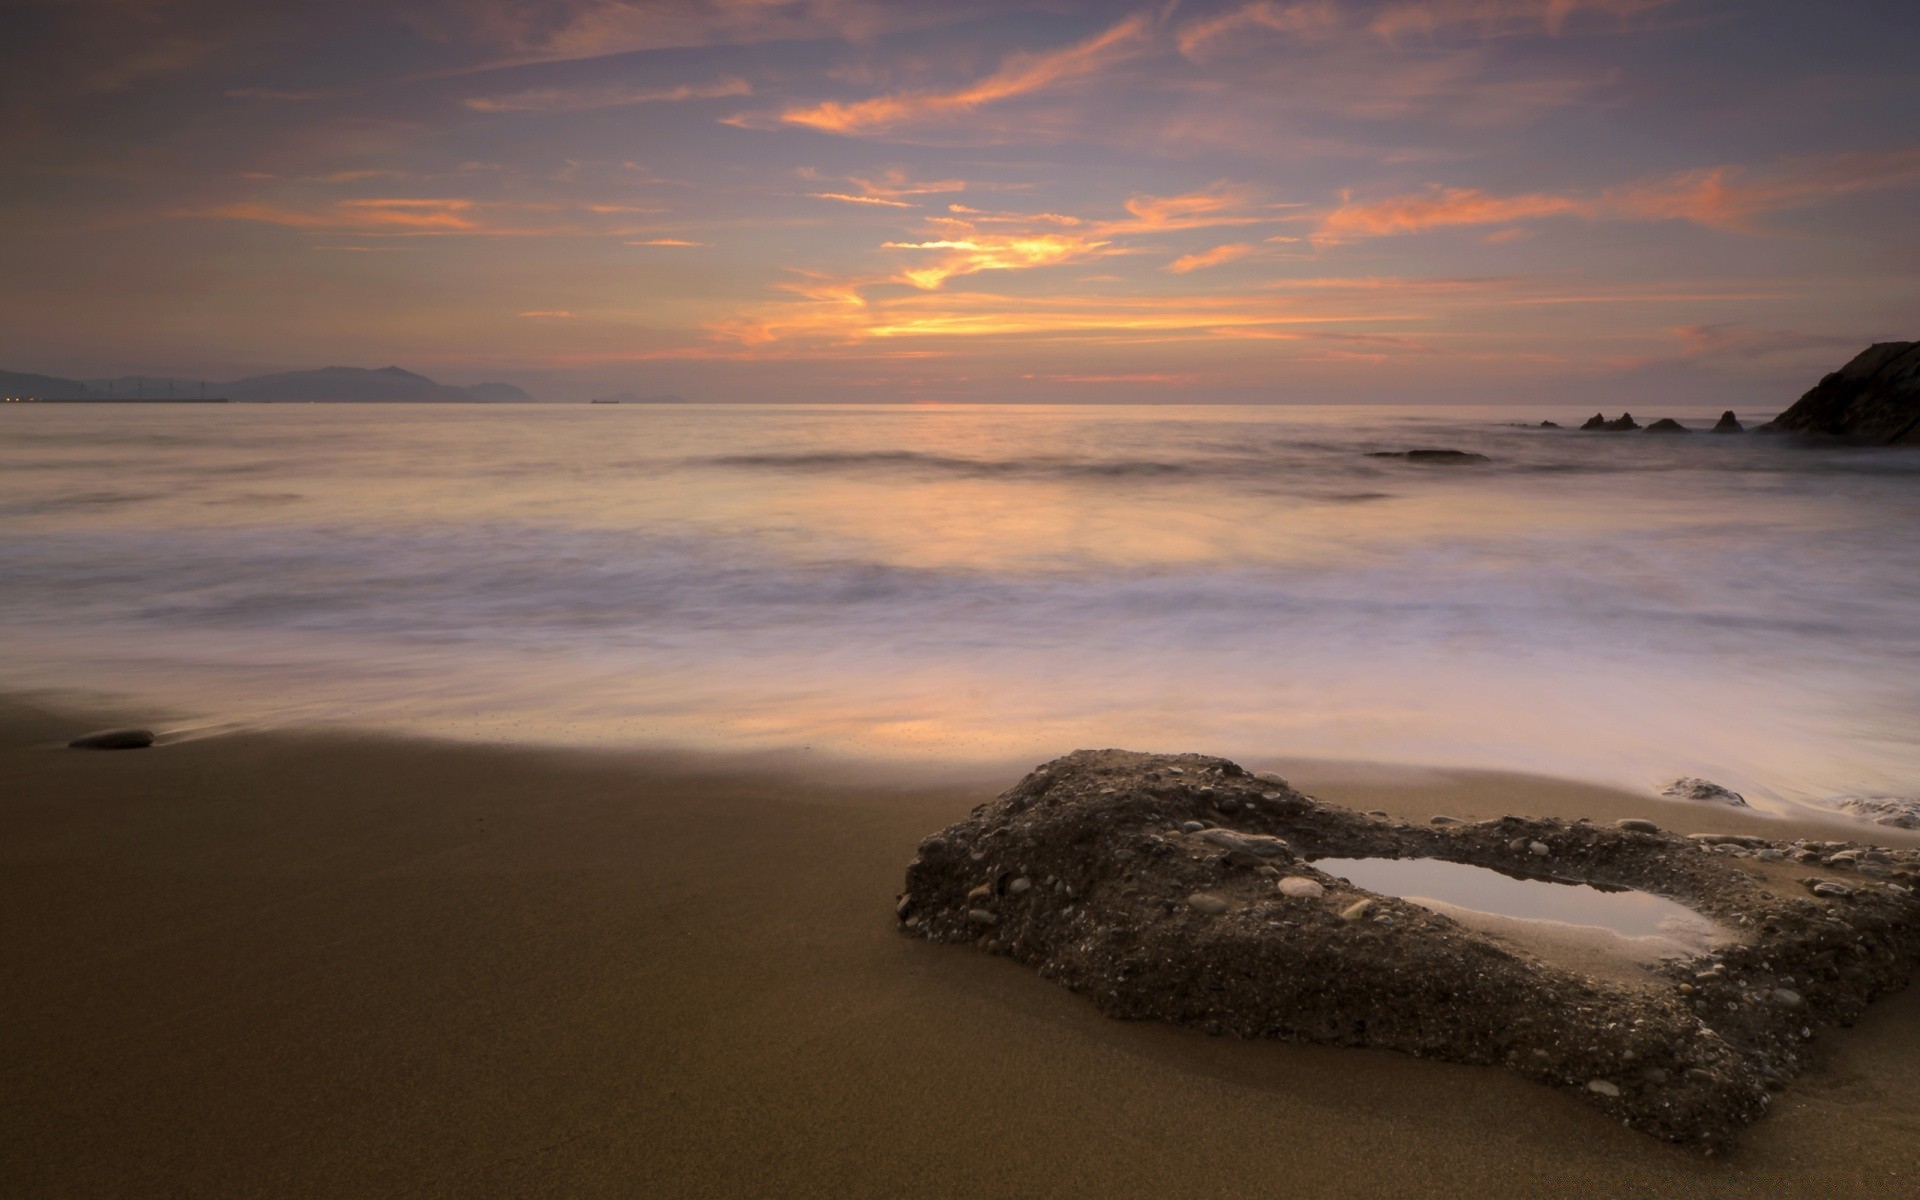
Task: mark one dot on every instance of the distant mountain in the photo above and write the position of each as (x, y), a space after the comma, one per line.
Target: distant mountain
(498, 393)
(348, 385)
(24, 384)
(151, 387)
(380, 385)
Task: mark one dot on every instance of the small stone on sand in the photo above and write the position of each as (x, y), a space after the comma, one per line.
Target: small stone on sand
(1300, 887)
(114, 739)
(1207, 903)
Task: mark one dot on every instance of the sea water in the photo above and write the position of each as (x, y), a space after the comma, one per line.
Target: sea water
(985, 583)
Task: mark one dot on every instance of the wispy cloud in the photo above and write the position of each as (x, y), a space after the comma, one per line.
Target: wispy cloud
(1496, 17)
(1308, 21)
(549, 313)
(1725, 197)
(1210, 258)
(580, 99)
(663, 242)
(258, 93)
(1020, 75)
(572, 30)
(989, 252)
(848, 198)
(435, 217)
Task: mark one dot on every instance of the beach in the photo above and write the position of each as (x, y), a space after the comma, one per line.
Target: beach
(328, 962)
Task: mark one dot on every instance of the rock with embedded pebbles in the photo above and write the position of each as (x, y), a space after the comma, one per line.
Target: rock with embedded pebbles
(1691, 788)
(1151, 923)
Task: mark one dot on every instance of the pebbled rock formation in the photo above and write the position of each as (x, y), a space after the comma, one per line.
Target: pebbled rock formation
(1667, 425)
(1875, 398)
(1181, 888)
(1728, 423)
(1691, 788)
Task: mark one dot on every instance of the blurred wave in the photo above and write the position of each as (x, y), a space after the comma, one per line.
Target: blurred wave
(987, 582)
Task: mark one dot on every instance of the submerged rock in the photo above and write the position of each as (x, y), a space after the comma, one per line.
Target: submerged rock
(1874, 398)
(1150, 921)
(1452, 457)
(1667, 425)
(1894, 811)
(1690, 788)
(114, 739)
(1728, 423)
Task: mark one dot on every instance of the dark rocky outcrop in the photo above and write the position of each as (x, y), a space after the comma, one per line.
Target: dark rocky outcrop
(1667, 425)
(114, 739)
(1728, 423)
(1620, 424)
(1549, 424)
(1455, 457)
(1875, 398)
(1181, 888)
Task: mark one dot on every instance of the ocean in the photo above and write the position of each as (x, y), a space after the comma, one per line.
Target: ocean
(985, 584)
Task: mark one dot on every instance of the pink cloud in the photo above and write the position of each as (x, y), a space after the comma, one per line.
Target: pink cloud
(1728, 198)
(1020, 75)
(1210, 258)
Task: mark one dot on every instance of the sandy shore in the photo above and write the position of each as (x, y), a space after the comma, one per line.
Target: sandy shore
(340, 965)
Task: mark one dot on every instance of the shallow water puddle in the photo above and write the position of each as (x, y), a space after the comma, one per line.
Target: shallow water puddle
(1457, 889)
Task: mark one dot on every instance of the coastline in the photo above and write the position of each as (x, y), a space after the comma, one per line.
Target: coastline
(326, 963)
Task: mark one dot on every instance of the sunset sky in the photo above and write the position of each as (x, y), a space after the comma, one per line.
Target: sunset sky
(1449, 200)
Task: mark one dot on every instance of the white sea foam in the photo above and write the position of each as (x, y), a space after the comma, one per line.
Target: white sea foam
(982, 582)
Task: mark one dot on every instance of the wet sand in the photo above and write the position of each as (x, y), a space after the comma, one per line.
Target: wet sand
(332, 964)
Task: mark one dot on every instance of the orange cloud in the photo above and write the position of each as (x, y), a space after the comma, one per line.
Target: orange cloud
(989, 252)
(1019, 75)
(434, 216)
(663, 242)
(550, 313)
(1438, 209)
(848, 198)
(1430, 17)
(1717, 197)
(1301, 20)
(1209, 258)
(582, 99)
(1218, 204)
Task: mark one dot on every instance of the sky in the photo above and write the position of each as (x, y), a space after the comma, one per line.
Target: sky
(1528, 201)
